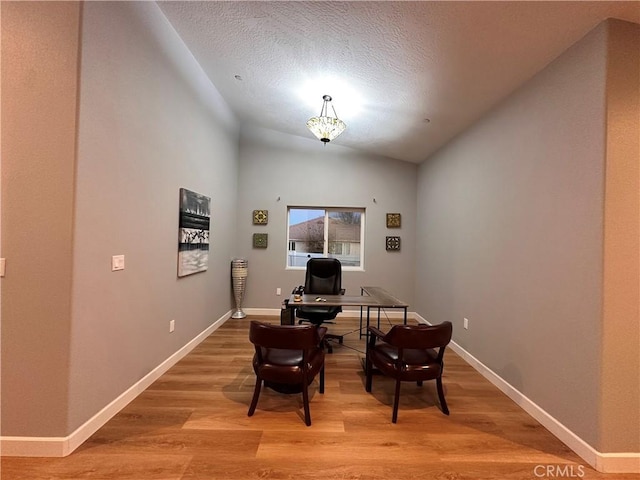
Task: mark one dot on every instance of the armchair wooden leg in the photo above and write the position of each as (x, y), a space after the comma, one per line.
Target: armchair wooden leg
(256, 394)
(443, 402)
(396, 401)
(322, 379)
(305, 401)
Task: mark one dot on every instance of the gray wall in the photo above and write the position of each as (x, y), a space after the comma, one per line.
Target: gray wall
(274, 166)
(144, 129)
(620, 369)
(510, 236)
(39, 43)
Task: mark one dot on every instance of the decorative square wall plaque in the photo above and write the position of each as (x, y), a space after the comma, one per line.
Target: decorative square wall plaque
(393, 220)
(260, 217)
(393, 243)
(260, 240)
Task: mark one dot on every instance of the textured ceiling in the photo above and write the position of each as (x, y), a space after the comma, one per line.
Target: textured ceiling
(448, 62)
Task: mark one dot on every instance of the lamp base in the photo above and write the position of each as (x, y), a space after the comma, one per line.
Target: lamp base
(238, 314)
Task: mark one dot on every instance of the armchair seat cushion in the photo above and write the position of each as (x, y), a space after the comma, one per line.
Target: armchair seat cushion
(285, 366)
(417, 364)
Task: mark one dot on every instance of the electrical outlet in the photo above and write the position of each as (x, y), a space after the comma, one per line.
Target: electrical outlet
(172, 325)
(117, 263)
(466, 324)
(278, 291)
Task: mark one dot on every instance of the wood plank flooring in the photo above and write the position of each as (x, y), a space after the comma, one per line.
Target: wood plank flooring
(192, 424)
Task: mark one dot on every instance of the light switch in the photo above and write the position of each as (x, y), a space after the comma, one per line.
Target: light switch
(2, 266)
(117, 263)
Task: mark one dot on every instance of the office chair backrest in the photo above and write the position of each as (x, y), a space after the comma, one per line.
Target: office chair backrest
(323, 277)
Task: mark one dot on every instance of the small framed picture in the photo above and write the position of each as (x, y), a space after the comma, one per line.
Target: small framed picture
(393, 243)
(260, 240)
(393, 220)
(260, 217)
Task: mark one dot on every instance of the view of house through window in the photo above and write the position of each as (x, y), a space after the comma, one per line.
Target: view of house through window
(325, 232)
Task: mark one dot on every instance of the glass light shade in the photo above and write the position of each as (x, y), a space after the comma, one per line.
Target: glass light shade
(323, 126)
(326, 128)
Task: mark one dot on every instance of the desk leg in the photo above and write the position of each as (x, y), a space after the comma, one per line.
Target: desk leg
(366, 341)
(360, 331)
(405, 315)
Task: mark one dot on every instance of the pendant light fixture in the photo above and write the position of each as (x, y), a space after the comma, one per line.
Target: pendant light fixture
(324, 127)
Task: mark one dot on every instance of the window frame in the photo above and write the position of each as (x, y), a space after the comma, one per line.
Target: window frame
(327, 211)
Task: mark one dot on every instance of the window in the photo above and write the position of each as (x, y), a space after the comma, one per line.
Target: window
(325, 232)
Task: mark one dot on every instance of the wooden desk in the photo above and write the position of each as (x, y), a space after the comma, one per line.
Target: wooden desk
(330, 301)
(371, 297)
(384, 300)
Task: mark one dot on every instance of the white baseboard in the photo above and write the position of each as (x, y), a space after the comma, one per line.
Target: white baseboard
(63, 446)
(34, 446)
(602, 462)
(267, 312)
(618, 462)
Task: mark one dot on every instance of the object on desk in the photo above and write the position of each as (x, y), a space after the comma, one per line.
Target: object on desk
(393, 243)
(239, 273)
(323, 277)
(287, 359)
(393, 220)
(260, 217)
(297, 298)
(409, 353)
(260, 240)
(285, 313)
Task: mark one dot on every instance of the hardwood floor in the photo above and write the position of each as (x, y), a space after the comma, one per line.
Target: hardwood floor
(192, 424)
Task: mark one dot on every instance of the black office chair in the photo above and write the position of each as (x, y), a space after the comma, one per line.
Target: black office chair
(323, 277)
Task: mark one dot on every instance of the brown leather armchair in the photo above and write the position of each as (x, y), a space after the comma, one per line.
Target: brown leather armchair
(287, 359)
(409, 353)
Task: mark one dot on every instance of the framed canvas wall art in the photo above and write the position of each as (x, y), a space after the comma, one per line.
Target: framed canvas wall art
(194, 223)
